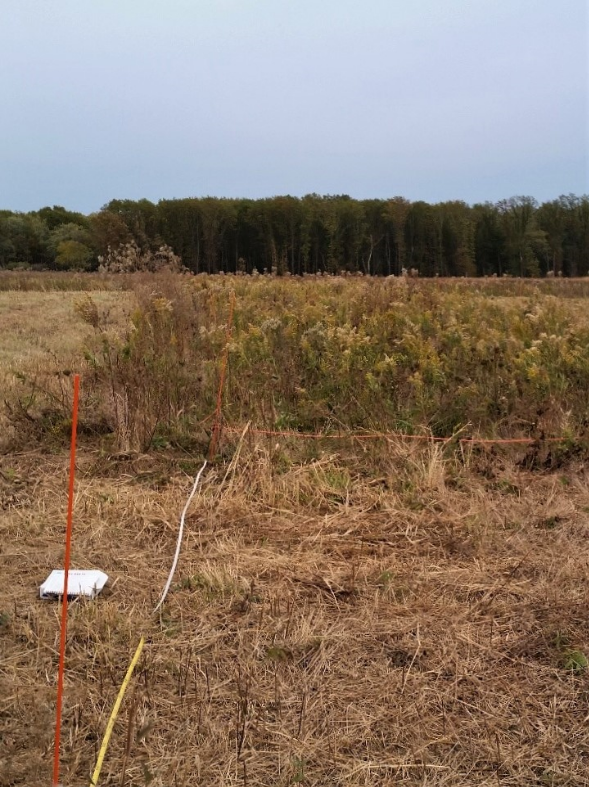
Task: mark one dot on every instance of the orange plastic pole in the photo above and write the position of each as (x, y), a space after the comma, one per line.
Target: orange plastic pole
(68, 544)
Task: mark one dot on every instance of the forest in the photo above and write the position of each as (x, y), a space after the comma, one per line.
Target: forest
(313, 234)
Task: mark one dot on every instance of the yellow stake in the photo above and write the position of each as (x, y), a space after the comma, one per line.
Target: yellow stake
(115, 711)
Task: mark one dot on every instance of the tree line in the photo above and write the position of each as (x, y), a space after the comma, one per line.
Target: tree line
(313, 234)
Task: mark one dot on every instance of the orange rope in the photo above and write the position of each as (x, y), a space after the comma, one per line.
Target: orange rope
(217, 424)
(68, 544)
(400, 436)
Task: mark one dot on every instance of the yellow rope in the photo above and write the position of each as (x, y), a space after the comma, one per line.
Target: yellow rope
(115, 711)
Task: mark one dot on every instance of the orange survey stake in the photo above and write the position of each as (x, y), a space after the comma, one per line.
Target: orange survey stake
(66, 568)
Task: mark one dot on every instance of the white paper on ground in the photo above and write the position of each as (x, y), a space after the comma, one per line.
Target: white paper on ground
(79, 583)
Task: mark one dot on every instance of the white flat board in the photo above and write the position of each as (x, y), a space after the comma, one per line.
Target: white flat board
(79, 583)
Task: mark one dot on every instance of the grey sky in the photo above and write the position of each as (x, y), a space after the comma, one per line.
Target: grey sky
(429, 99)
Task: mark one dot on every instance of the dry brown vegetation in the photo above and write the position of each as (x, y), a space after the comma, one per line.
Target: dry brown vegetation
(344, 612)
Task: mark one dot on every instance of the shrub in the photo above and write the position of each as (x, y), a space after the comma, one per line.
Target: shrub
(150, 373)
(129, 258)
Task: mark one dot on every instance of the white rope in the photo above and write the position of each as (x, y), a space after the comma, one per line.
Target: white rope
(180, 534)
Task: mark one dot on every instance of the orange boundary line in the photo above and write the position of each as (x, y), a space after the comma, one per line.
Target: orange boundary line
(400, 436)
(66, 566)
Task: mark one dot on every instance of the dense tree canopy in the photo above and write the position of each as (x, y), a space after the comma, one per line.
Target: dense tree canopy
(314, 234)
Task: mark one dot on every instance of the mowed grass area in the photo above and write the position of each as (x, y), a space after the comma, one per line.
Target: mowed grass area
(35, 325)
(41, 334)
(344, 612)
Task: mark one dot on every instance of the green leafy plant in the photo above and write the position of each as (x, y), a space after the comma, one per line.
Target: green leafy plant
(575, 660)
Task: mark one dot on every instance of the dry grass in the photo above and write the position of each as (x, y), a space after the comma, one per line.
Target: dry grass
(325, 627)
(342, 614)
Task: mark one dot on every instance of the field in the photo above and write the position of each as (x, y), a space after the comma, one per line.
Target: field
(366, 594)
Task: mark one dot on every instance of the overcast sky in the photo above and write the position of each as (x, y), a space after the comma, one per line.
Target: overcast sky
(428, 99)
